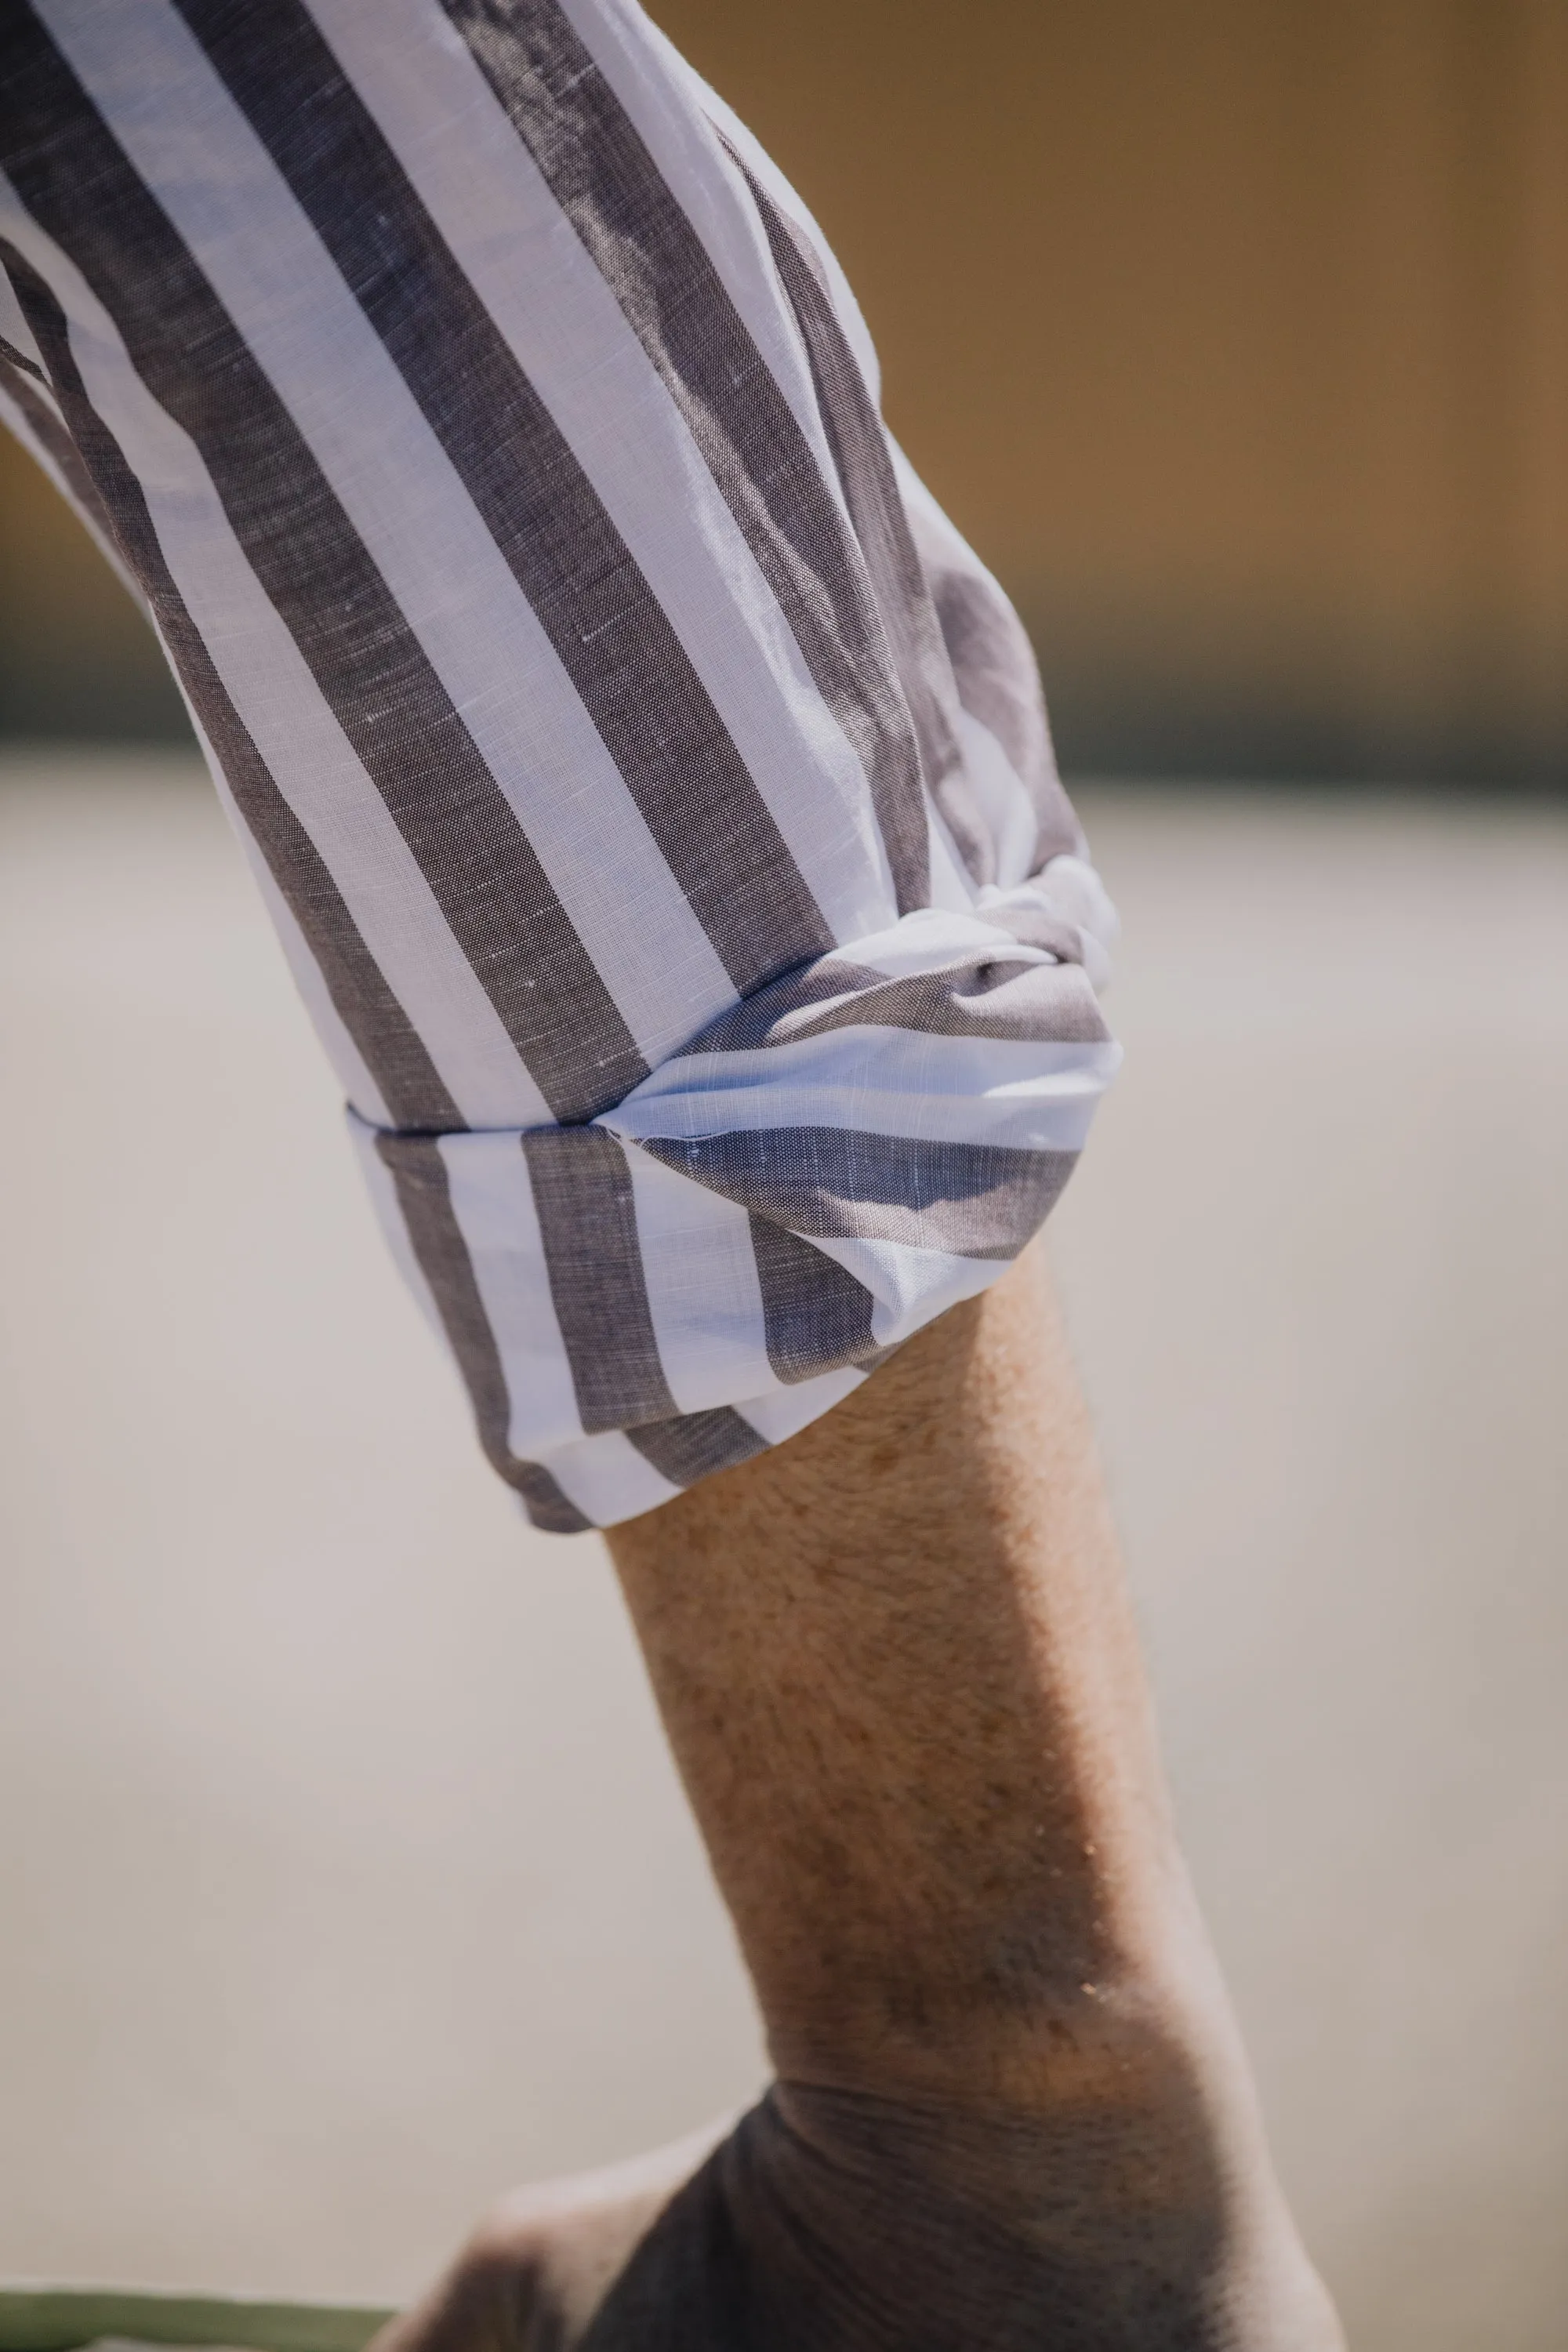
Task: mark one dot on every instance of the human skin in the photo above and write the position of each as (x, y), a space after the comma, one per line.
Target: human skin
(897, 1665)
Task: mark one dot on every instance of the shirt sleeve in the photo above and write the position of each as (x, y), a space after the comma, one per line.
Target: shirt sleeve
(652, 791)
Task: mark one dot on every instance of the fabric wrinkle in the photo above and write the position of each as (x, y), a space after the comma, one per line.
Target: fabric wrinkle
(654, 791)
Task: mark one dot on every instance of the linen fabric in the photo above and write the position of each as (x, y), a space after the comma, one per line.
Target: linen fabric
(652, 791)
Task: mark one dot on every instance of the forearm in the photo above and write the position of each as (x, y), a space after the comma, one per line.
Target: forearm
(897, 1664)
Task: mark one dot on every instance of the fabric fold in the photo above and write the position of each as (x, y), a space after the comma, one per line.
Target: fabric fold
(821, 1171)
(653, 792)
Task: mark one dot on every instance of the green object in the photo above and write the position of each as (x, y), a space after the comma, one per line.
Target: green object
(62, 2318)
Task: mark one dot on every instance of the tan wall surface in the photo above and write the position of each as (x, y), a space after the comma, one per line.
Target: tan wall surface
(75, 656)
(1235, 334)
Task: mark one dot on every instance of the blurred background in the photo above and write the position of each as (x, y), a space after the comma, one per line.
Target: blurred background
(1234, 335)
(346, 1880)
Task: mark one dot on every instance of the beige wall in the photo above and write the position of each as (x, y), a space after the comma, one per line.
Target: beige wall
(1236, 335)
(75, 656)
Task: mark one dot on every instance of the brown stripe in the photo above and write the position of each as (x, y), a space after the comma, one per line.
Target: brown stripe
(587, 1221)
(609, 629)
(1028, 1003)
(859, 446)
(607, 183)
(17, 359)
(817, 1316)
(44, 421)
(420, 1173)
(972, 1200)
(409, 1084)
(697, 1444)
(998, 683)
(366, 660)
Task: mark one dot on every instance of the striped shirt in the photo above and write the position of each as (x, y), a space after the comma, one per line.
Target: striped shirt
(652, 791)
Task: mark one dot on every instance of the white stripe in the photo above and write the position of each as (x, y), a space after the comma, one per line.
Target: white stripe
(702, 1288)
(17, 423)
(395, 1227)
(354, 1075)
(1071, 883)
(365, 1097)
(787, 200)
(794, 1020)
(1009, 814)
(493, 207)
(668, 104)
(608, 1479)
(199, 156)
(492, 1201)
(952, 886)
(15, 328)
(793, 1408)
(939, 938)
(879, 1081)
(937, 524)
(296, 734)
(92, 521)
(910, 1286)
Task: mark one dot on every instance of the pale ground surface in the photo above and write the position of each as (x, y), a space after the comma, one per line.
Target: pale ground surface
(344, 1877)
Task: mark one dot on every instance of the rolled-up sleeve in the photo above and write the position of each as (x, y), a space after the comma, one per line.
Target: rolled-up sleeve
(652, 791)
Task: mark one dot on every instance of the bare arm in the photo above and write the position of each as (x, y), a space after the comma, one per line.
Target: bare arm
(898, 1667)
(897, 1664)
